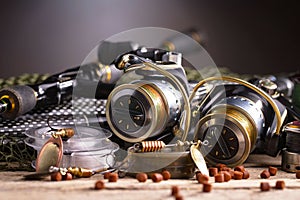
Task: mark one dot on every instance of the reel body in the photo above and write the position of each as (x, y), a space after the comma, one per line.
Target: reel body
(236, 123)
(146, 104)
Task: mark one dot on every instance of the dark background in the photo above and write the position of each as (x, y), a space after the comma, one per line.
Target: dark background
(50, 36)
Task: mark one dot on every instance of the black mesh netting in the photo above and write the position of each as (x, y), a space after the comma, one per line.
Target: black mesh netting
(15, 154)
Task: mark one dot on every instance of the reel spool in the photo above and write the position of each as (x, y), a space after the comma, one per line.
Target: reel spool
(291, 154)
(233, 125)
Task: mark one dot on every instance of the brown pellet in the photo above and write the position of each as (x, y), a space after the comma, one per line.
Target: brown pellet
(174, 190)
(221, 166)
(225, 169)
(68, 176)
(202, 178)
(56, 176)
(238, 175)
(264, 186)
(166, 175)
(99, 185)
(298, 174)
(280, 185)
(240, 168)
(227, 175)
(156, 177)
(178, 197)
(246, 174)
(113, 177)
(265, 174)
(106, 175)
(272, 171)
(142, 177)
(213, 171)
(207, 187)
(231, 172)
(219, 178)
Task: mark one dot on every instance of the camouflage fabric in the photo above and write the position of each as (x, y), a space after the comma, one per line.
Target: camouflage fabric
(194, 75)
(14, 153)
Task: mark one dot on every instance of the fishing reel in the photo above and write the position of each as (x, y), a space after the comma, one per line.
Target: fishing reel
(236, 118)
(148, 103)
(150, 107)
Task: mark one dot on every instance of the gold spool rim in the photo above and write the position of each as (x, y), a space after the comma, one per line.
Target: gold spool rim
(148, 93)
(245, 136)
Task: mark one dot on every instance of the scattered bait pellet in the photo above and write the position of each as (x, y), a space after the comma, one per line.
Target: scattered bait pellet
(174, 190)
(264, 186)
(56, 176)
(113, 177)
(246, 174)
(99, 185)
(231, 172)
(213, 171)
(238, 175)
(207, 187)
(221, 166)
(227, 175)
(156, 177)
(202, 178)
(106, 175)
(265, 174)
(166, 175)
(142, 177)
(68, 176)
(178, 197)
(280, 185)
(272, 171)
(219, 178)
(298, 174)
(225, 169)
(240, 168)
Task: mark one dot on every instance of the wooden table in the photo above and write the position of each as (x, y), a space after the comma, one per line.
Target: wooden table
(14, 187)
